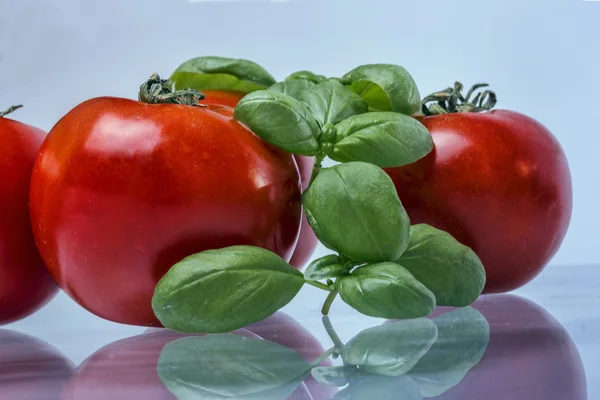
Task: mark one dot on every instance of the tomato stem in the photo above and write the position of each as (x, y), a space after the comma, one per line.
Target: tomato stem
(10, 110)
(160, 91)
(451, 100)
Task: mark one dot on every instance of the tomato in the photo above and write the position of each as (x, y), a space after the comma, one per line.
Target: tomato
(530, 356)
(122, 190)
(25, 285)
(307, 242)
(127, 369)
(499, 182)
(30, 368)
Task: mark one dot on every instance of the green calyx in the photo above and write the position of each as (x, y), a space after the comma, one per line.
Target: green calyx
(160, 91)
(10, 110)
(451, 100)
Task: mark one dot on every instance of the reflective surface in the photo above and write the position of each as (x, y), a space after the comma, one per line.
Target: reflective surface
(503, 347)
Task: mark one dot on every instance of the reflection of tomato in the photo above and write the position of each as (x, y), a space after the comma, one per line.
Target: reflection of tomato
(307, 242)
(530, 356)
(497, 181)
(127, 369)
(122, 190)
(31, 369)
(25, 285)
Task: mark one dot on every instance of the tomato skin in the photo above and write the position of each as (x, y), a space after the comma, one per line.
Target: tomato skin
(122, 190)
(307, 241)
(499, 182)
(25, 285)
(127, 369)
(31, 368)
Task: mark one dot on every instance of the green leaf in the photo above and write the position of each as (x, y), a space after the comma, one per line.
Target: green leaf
(385, 87)
(280, 120)
(220, 73)
(354, 209)
(333, 376)
(306, 76)
(324, 268)
(230, 366)
(223, 290)
(291, 88)
(380, 388)
(331, 102)
(386, 290)
(391, 349)
(463, 337)
(385, 139)
(452, 271)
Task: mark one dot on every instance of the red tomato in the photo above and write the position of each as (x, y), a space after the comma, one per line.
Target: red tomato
(127, 369)
(25, 285)
(499, 182)
(122, 190)
(307, 242)
(30, 368)
(530, 356)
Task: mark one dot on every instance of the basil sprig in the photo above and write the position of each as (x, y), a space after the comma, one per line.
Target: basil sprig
(382, 266)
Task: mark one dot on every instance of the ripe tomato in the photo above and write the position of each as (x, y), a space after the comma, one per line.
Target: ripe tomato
(499, 183)
(122, 190)
(107, 374)
(530, 356)
(307, 242)
(25, 285)
(30, 368)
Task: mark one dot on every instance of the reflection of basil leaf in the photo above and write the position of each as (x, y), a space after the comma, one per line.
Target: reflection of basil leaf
(452, 271)
(230, 366)
(380, 388)
(365, 220)
(280, 120)
(385, 139)
(385, 87)
(291, 88)
(386, 290)
(463, 336)
(331, 102)
(220, 73)
(306, 76)
(391, 349)
(223, 290)
(334, 376)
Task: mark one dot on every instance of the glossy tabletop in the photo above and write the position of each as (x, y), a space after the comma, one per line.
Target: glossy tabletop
(537, 343)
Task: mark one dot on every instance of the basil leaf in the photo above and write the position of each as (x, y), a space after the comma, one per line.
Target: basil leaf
(380, 388)
(331, 102)
(333, 376)
(463, 337)
(220, 73)
(306, 76)
(386, 290)
(223, 290)
(385, 87)
(230, 366)
(391, 349)
(291, 88)
(366, 221)
(324, 268)
(385, 139)
(280, 120)
(452, 271)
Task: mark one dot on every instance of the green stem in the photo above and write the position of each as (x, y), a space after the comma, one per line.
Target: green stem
(337, 342)
(10, 110)
(317, 167)
(327, 305)
(319, 285)
(324, 356)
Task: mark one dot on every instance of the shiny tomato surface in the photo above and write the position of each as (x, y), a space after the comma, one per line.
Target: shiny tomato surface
(122, 190)
(307, 242)
(25, 285)
(499, 182)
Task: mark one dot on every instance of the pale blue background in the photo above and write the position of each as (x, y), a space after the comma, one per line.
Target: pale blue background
(541, 56)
